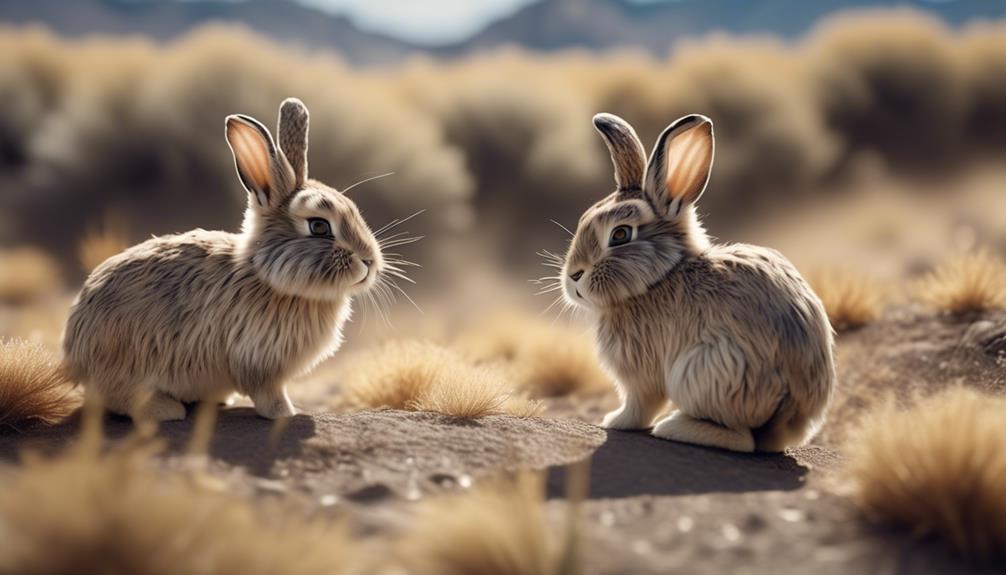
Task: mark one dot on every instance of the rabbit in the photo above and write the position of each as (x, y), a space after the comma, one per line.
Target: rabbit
(199, 315)
(731, 335)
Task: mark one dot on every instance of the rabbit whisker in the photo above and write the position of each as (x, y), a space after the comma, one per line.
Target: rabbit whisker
(365, 180)
(395, 223)
(564, 228)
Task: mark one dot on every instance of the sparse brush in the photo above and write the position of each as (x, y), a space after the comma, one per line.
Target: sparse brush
(543, 358)
(937, 468)
(27, 274)
(970, 283)
(497, 528)
(32, 387)
(101, 243)
(424, 377)
(850, 299)
(86, 511)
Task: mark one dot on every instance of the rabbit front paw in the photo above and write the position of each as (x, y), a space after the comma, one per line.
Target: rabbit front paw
(273, 404)
(625, 418)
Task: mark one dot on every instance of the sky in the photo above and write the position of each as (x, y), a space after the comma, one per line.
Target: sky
(426, 21)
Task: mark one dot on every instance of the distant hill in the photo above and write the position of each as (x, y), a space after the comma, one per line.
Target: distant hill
(600, 24)
(546, 25)
(283, 20)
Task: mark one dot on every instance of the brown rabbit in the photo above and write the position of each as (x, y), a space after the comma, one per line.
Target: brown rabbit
(199, 315)
(731, 334)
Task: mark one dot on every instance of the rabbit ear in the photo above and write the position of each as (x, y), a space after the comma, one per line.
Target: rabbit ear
(292, 130)
(679, 166)
(627, 153)
(263, 170)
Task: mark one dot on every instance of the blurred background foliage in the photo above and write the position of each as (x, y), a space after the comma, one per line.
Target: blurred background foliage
(495, 143)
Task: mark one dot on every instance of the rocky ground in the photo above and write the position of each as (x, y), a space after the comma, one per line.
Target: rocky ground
(653, 506)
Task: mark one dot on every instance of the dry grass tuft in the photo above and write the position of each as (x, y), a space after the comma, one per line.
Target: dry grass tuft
(101, 243)
(32, 387)
(496, 529)
(851, 300)
(542, 358)
(971, 283)
(937, 468)
(27, 274)
(424, 377)
(115, 512)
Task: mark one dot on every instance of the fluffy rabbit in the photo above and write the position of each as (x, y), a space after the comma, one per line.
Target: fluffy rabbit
(199, 315)
(730, 334)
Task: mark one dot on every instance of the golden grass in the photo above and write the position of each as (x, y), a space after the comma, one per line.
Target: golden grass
(421, 376)
(970, 283)
(936, 468)
(103, 242)
(27, 274)
(86, 511)
(851, 300)
(495, 529)
(542, 358)
(32, 387)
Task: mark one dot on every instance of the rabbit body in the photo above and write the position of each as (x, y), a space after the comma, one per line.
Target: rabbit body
(746, 348)
(730, 334)
(199, 315)
(184, 318)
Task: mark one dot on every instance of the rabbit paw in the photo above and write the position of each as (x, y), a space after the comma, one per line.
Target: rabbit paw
(686, 429)
(273, 404)
(624, 418)
(162, 407)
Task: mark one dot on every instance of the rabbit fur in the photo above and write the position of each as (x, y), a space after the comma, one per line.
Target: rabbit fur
(199, 315)
(731, 335)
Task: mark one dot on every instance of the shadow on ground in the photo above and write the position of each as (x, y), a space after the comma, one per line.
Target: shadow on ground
(632, 463)
(240, 437)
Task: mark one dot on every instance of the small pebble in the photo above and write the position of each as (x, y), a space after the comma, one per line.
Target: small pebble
(731, 533)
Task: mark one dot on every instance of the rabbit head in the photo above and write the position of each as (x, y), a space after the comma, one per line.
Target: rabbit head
(633, 238)
(303, 238)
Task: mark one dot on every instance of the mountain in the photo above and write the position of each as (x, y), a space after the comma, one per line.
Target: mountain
(546, 25)
(282, 20)
(655, 26)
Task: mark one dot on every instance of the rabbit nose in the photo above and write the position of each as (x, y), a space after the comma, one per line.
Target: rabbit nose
(576, 275)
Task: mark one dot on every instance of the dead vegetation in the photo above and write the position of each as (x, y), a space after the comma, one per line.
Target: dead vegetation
(27, 274)
(541, 357)
(102, 242)
(970, 283)
(938, 468)
(131, 120)
(32, 387)
(421, 376)
(496, 529)
(851, 300)
(89, 511)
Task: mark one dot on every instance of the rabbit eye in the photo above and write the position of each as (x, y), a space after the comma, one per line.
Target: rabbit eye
(319, 227)
(620, 235)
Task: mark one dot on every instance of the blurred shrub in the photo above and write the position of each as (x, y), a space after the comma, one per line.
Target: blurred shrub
(27, 274)
(119, 125)
(891, 82)
(89, 126)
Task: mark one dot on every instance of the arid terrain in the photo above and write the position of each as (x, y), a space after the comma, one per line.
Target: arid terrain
(456, 431)
(653, 506)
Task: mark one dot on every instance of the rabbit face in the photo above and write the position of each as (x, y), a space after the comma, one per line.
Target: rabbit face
(633, 238)
(319, 246)
(303, 237)
(621, 248)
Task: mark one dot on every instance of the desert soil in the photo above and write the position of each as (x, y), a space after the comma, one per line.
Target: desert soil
(653, 506)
